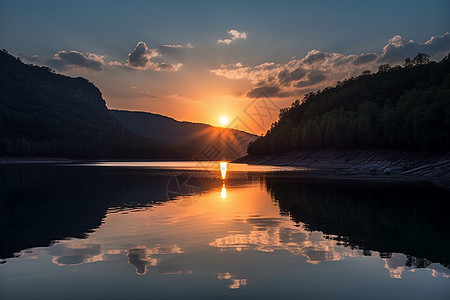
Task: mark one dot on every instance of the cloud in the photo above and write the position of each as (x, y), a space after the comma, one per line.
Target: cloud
(314, 56)
(68, 255)
(139, 257)
(318, 69)
(187, 45)
(365, 58)
(64, 60)
(286, 77)
(268, 91)
(397, 48)
(314, 77)
(175, 51)
(234, 36)
(141, 58)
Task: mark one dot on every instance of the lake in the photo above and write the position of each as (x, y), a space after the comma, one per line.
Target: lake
(165, 230)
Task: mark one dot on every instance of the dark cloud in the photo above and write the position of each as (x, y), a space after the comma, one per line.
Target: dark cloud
(289, 235)
(65, 60)
(314, 56)
(365, 58)
(140, 56)
(66, 255)
(317, 255)
(286, 94)
(314, 78)
(268, 91)
(140, 259)
(264, 91)
(287, 77)
(164, 66)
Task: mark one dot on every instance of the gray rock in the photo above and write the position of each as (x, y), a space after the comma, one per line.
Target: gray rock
(387, 171)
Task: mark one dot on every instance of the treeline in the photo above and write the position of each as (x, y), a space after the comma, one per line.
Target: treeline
(43, 114)
(401, 107)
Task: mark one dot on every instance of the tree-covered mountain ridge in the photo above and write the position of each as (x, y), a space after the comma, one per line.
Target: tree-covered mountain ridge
(397, 108)
(44, 114)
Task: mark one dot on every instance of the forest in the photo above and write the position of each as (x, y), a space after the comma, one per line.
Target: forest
(401, 107)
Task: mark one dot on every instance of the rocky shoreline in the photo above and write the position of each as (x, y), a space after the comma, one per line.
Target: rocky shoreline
(365, 164)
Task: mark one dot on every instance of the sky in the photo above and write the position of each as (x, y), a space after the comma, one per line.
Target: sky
(208, 61)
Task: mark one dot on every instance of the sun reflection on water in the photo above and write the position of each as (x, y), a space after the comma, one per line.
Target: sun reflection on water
(223, 168)
(223, 193)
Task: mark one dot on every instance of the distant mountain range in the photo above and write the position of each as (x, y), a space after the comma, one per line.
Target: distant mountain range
(199, 139)
(44, 114)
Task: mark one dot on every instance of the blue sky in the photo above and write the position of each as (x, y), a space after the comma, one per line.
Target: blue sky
(196, 69)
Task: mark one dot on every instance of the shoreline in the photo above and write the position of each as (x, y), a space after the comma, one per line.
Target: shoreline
(371, 165)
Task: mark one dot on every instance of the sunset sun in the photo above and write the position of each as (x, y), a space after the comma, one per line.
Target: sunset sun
(224, 120)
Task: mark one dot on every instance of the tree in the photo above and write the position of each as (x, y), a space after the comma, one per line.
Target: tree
(421, 59)
(384, 68)
(408, 62)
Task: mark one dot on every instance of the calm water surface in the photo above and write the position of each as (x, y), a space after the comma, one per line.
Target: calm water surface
(187, 230)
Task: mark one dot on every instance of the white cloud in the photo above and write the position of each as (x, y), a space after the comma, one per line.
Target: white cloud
(234, 36)
(187, 45)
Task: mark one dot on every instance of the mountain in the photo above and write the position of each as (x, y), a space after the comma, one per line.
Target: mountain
(399, 108)
(198, 139)
(43, 114)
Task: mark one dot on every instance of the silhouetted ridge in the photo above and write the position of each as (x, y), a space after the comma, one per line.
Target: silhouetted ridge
(43, 114)
(192, 137)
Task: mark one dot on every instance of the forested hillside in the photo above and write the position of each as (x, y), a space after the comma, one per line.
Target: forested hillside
(402, 107)
(43, 114)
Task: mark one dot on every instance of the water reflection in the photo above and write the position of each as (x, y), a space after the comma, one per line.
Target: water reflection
(76, 253)
(175, 223)
(236, 283)
(386, 218)
(223, 192)
(143, 257)
(223, 168)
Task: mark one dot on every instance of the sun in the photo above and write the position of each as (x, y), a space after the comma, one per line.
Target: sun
(224, 120)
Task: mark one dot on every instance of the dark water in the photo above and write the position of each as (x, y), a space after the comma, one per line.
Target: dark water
(178, 230)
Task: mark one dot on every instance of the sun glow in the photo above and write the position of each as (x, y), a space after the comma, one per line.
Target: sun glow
(223, 120)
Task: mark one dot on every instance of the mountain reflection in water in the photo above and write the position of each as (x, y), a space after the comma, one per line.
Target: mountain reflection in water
(215, 224)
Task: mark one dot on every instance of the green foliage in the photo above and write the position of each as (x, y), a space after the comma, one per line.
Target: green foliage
(43, 114)
(395, 108)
